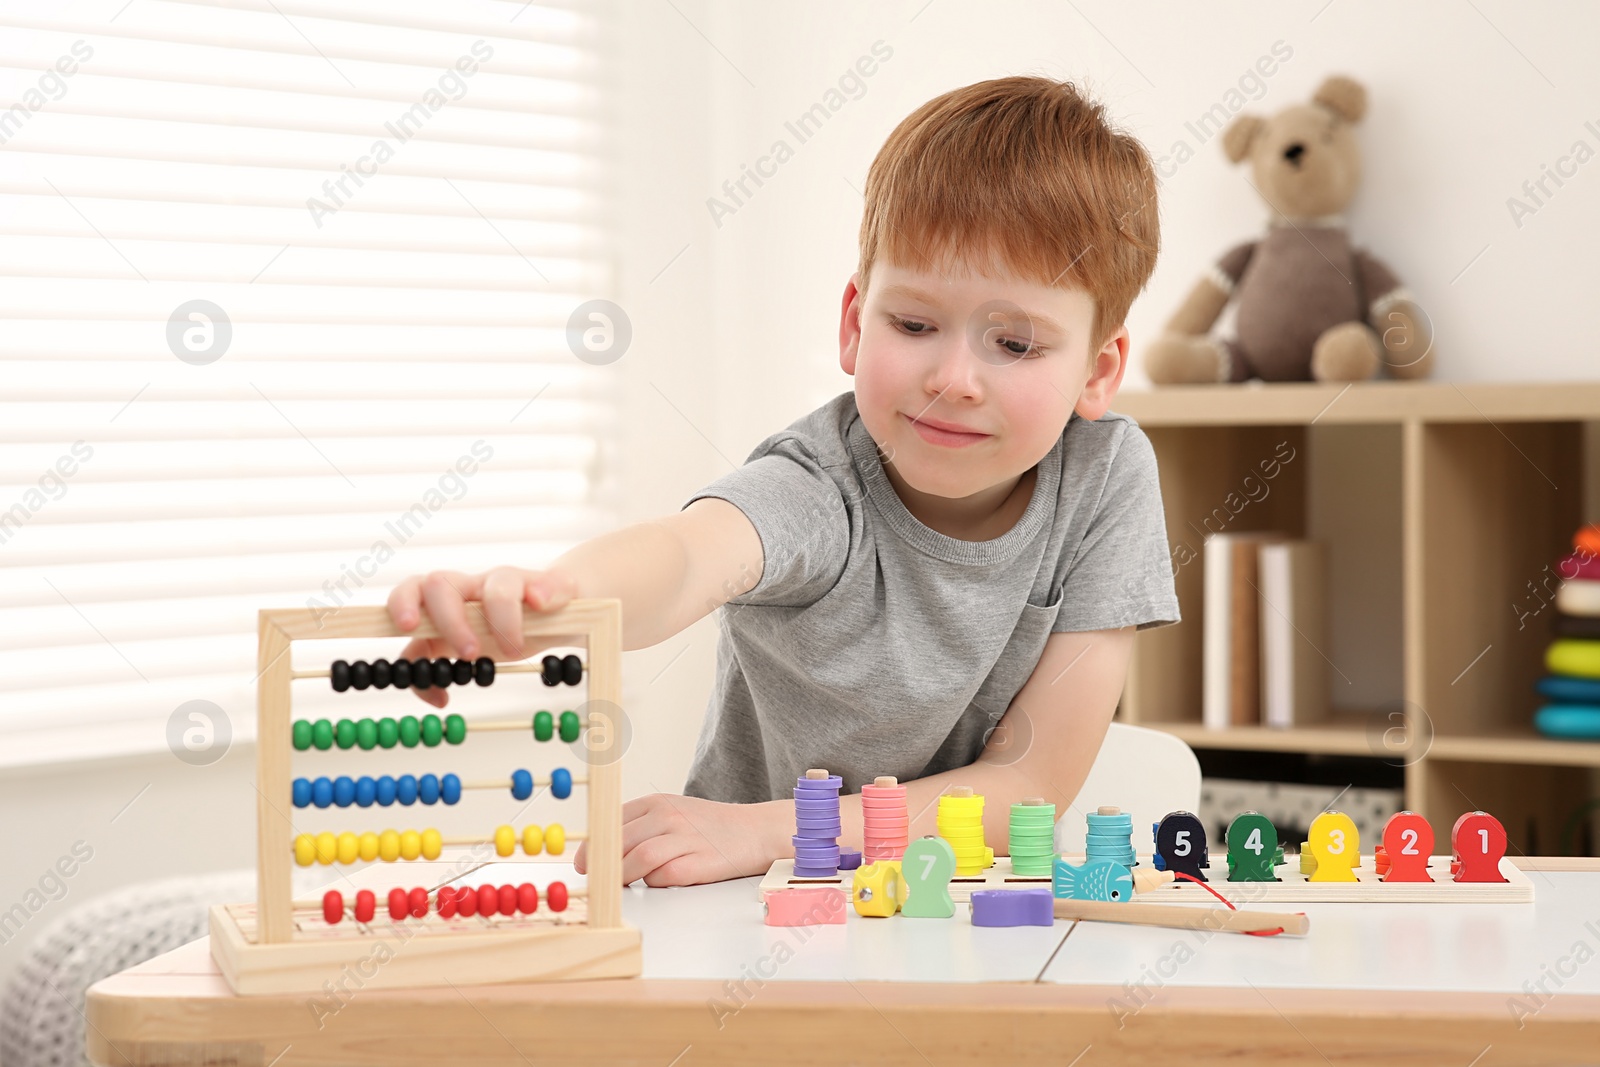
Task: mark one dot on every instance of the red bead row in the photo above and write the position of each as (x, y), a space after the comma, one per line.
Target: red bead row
(485, 900)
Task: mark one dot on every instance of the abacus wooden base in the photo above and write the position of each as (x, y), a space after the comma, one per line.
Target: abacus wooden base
(343, 960)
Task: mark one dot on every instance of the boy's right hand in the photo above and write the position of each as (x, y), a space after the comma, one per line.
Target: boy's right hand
(443, 594)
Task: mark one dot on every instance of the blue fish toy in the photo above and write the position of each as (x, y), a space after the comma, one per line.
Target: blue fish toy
(1101, 880)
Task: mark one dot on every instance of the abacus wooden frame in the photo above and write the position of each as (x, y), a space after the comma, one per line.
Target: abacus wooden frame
(270, 959)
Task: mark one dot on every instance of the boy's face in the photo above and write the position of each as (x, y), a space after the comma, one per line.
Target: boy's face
(990, 353)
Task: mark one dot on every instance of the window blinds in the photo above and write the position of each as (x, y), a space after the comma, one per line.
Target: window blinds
(284, 296)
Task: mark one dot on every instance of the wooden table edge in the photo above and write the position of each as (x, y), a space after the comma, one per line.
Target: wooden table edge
(147, 1016)
(655, 1020)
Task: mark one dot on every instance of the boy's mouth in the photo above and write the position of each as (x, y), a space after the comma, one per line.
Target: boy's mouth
(947, 434)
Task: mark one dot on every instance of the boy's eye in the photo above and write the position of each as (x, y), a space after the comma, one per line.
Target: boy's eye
(1020, 349)
(906, 325)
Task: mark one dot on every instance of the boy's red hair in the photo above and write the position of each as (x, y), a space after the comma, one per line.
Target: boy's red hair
(1023, 173)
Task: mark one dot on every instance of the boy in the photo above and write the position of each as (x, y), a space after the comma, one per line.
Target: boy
(938, 575)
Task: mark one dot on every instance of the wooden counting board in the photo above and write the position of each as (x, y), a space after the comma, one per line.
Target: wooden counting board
(279, 945)
(1294, 888)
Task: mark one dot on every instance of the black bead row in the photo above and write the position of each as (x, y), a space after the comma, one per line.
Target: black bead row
(561, 670)
(410, 674)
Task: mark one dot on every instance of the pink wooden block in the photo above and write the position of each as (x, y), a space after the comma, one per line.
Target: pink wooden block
(806, 906)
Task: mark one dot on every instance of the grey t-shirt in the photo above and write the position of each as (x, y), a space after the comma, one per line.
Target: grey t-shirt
(873, 644)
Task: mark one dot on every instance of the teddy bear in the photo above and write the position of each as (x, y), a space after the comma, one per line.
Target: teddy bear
(1310, 305)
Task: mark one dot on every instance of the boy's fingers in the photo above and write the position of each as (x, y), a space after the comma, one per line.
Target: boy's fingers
(444, 593)
(633, 809)
(549, 591)
(403, 603)
(680, 871)
(652, 854)
(580, 858)
(637, 831)
(502, 607)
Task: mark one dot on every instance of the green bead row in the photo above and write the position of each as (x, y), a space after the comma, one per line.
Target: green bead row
(379, 733)
(544, 726)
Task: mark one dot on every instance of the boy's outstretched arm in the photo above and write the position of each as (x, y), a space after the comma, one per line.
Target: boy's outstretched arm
(1043, 746)
(668, 573)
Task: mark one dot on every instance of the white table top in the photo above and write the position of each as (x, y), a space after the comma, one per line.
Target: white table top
(716, 932)
(1491, 948)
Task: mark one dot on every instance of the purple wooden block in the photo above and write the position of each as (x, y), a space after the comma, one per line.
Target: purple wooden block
(849, 859)
(1012, 907)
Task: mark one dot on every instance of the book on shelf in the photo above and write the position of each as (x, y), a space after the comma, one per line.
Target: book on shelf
(1293, 579)
(1264, 631)
(1231, 627)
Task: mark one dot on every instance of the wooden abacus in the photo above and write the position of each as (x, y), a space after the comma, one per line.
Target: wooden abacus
(1330, 867)
(280, 945)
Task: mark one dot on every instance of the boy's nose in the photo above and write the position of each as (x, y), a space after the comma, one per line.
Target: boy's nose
(958, 370)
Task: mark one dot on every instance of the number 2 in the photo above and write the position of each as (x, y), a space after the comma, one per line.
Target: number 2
(1409, 836)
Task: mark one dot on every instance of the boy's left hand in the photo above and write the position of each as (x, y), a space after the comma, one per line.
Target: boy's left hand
(677, 840)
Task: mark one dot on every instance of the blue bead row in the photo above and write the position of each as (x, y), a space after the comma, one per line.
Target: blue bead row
(365, 791)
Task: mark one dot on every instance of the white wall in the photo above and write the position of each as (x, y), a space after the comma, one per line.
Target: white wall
(1459, 117)
(735, 326)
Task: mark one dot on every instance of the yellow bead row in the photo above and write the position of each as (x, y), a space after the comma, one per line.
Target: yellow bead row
(551, 839)
(328, 847)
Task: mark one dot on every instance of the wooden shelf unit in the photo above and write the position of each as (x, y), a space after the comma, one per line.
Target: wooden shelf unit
(1445, 508)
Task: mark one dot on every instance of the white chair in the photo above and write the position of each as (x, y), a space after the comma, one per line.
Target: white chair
(1145, 772)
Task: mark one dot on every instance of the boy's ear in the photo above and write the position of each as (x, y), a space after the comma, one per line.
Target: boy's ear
(850, 324)
(1105, 377)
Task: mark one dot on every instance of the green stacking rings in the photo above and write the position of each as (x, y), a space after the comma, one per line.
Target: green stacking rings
(1032, 832)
